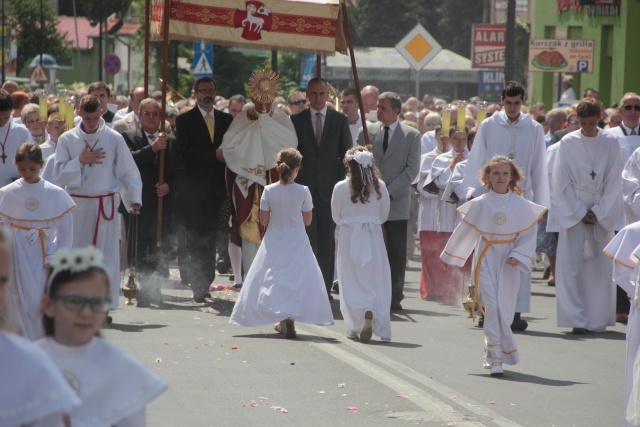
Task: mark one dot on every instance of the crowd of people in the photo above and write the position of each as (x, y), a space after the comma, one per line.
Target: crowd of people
(301, 200)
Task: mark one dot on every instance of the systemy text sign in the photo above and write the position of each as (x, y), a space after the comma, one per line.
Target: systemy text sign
(488, 44)
(561, 56)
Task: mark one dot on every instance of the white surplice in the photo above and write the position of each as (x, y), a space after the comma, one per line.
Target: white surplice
(284, 279)
(553, 225)
(498, 227)
(38, 216)
(11, 136)
(439, 176)
(523, 141)
(48, 148)
(113, 386)
(362, 263)
(631, 188)
(33, 391)
(582, 297)
(428, 201)
(624, 250)
(95, 189)
(454, 186)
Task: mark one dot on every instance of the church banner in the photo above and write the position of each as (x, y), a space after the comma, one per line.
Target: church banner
(299, 26)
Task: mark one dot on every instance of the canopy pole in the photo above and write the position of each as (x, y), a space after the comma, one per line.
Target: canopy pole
(147, 36)
(165, 66)
(318, 66)
(356, 79)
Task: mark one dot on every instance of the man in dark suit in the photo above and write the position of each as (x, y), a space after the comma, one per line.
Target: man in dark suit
(199, 133)
(396, 152)
(145, 145)
(323, 140)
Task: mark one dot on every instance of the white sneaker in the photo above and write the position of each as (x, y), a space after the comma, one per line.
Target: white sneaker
(496, 369)
(352, 335)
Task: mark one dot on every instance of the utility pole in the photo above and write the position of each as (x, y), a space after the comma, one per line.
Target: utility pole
(510, 50)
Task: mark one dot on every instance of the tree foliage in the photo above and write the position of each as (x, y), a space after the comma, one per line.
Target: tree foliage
(383, 23)
(30, 37)
(94, 10)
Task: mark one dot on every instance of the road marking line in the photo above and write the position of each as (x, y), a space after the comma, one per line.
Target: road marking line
(428, 402)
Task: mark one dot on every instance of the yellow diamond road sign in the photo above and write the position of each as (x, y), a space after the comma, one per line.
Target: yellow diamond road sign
(418, 47)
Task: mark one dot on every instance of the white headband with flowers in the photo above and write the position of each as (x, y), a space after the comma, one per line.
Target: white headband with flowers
(74, 260)
(364, 158)
(365, 163)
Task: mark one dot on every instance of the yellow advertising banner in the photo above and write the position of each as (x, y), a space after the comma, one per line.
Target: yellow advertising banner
(299, 26)
(561, 55)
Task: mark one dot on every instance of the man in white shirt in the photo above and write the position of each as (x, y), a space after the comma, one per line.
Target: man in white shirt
(349, 105)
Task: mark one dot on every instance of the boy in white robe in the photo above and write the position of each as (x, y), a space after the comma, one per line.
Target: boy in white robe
(95, 166)
(587, 185)
(427, 223)
(501, 226)
(515, 135)
(451, 281)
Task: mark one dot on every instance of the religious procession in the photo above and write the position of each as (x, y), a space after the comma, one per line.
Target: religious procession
(264, 208)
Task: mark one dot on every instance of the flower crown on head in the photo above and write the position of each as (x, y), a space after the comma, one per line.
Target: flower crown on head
(364, 158)
(76, 260)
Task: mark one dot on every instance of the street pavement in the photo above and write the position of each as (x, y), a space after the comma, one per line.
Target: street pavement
(430, 374)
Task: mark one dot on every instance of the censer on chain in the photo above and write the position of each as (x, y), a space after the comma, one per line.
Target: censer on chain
(131, 289)
(469, 302)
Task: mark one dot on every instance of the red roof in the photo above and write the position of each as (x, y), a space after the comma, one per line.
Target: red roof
(67, 27)
(86, 33)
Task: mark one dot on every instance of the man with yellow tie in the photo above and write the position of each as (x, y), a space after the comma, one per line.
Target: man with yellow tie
(199, 134)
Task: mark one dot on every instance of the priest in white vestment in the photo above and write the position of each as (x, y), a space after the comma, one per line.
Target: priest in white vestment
(95, 166)
(249, 148)
(515, 135)
(587, 180)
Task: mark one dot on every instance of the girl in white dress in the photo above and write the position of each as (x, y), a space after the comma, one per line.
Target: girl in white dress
(38, 215)
(114, 388)
(284, 283)
(33, 391)
(501, 226)
(360, 205)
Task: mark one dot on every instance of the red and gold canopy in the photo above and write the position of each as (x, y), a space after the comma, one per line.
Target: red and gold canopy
(312, 26)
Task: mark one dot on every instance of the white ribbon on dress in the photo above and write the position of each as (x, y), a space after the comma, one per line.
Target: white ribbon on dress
(361, 230)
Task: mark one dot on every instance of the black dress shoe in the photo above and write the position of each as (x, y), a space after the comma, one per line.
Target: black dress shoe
(519, 325)
(222, 266)
(579, 331)
(395, 306)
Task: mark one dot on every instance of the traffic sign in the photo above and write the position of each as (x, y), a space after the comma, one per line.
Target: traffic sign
(418, 47)
(112, 64)
(39, 74)
(202, 59)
